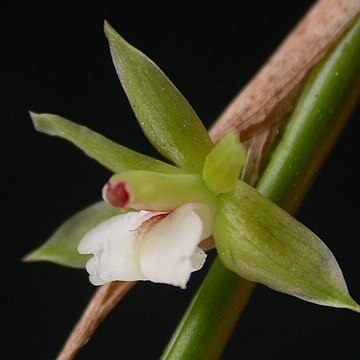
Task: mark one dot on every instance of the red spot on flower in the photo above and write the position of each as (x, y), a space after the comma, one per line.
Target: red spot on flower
(117, 195)
(148, 224)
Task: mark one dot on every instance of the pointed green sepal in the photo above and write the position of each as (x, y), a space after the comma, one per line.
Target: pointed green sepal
(61, 247)
(261, 242)
(145, 190)
(113, 156)
(224, 163)
(167, 119)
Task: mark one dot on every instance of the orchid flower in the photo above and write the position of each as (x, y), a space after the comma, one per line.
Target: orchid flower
(160, 245)
(170, 209)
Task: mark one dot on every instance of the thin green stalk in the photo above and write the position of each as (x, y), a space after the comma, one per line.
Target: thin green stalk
(321, 113)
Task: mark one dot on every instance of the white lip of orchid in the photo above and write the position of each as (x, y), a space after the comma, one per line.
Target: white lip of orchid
(131, 247)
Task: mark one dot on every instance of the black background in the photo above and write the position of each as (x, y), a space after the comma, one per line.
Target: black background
(56, 59)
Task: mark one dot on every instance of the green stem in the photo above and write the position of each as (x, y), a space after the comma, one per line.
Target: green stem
(321, 113)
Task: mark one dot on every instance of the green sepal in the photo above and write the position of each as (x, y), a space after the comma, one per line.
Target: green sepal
(113, 156)
(166, 117)
(263, 243)
(162, 192)
(224, 163)
(61, 247)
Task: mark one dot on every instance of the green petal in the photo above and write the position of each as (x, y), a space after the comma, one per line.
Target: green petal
(145, 190)
(167, 119)
(224, 164)
(61, 247)
(261, 242)
(108, 153)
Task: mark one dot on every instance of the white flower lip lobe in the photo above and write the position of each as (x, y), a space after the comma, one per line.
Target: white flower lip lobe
(126, 249)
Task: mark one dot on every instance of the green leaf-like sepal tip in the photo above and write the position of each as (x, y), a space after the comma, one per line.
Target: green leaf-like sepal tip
(224, 164)
(113, 156)
(263, 243)
(166, 117)
(61, 247)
